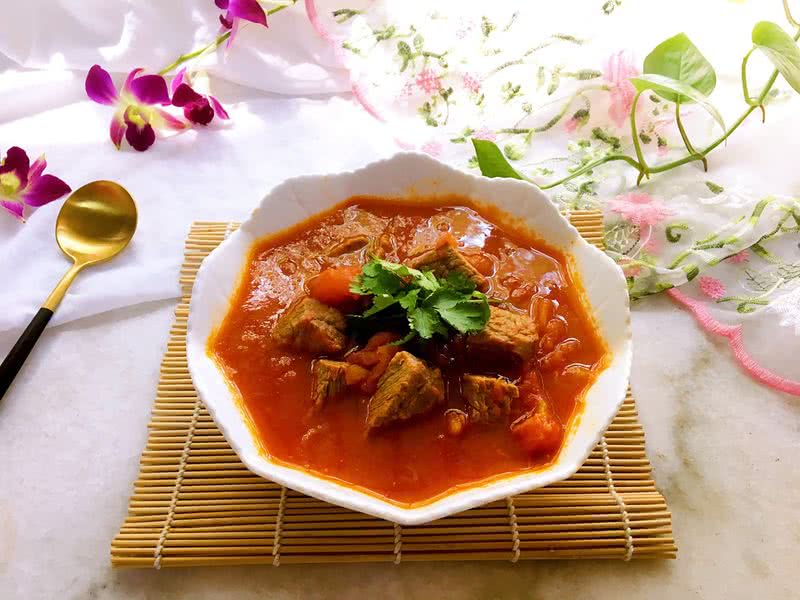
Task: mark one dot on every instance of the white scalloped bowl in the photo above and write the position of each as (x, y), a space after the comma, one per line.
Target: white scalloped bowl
(410, 175)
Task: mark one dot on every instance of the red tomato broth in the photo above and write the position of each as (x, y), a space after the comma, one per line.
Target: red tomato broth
(406, 463)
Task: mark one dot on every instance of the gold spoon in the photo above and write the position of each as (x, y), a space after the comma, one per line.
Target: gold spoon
(95, 224)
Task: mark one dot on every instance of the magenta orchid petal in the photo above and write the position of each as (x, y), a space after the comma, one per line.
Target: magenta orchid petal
(199, 112)
(171, 121)
(150, 89)
(225, 22)
(117, 130)
(234, 31)
(184, 95)
(15, 208)
(44, 189)
(222, 4)
(177, 80)
(17, 162)
(249, 10)
(219, 110)
(37, 168)
(140, 138)
(99, 86)
(129, 79)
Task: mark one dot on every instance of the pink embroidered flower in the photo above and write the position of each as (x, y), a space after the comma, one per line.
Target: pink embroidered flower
(23, 183)
(653, 244)
(471, 83)
(639, 208)
(579, 119)
(137, 116)
(617, 70)
(433, 148)
(740, 257)
(570, 125)
(631, 269)
(428, 81)
(712, 287)
(484, 133)
(406, 91)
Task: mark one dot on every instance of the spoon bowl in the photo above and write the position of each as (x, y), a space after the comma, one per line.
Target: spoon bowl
(96, 222)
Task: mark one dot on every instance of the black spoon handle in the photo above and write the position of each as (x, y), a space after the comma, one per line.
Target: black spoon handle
(16, 357)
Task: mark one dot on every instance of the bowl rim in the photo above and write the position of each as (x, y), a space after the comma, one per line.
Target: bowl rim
(337, 491)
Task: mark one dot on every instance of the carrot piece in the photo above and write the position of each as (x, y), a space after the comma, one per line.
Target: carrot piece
(332, 286)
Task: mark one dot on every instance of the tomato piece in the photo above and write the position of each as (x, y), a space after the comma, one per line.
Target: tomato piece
(364, 358)
(381, 339)
(481, 262)
(385, 355)
(332, 286)
(538, 432)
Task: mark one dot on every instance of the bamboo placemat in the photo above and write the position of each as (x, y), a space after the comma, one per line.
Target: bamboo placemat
(195, 503)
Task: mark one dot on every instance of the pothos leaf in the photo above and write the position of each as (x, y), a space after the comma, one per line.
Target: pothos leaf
(664, 86)
(491, 161)
(780, 49)
(679, 59)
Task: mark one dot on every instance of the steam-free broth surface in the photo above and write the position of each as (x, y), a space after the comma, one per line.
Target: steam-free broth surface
(416, 460)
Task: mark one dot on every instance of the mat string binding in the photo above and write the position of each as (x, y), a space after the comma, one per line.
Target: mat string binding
(276, 542)
(181, 465)
(623, 510)
(512, 518)
(178, 481)
(398, 543)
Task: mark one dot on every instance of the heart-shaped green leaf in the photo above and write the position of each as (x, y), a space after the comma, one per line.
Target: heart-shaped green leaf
(491, 161)
(780, 49)
(665, 85)
(679, 59)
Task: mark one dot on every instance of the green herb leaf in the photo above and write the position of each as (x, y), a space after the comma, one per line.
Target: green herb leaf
(491, 161)
(463, 315)
(780, 49)
(679, 59)
(665, 85)
(432, 305)
(426, 322)
(379, 302)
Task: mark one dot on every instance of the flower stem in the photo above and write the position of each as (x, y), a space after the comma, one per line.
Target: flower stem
(643, 170)
(214, 44)
(592, 165)
(685, 137)
(190, 55)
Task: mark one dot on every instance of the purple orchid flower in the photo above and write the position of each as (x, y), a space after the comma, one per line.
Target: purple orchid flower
(197, 108)
(137, 116)
(25, 184)
(238, 10)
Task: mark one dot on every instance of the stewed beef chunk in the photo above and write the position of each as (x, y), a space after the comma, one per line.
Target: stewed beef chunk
(506, 336)
(311, 326)
(330, 378)
(488, 398)
(407, 388)
(444, 258)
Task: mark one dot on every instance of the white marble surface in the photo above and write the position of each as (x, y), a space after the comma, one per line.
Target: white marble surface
(72, 428)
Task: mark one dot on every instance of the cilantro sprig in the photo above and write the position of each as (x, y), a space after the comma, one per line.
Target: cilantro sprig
(432, 305)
